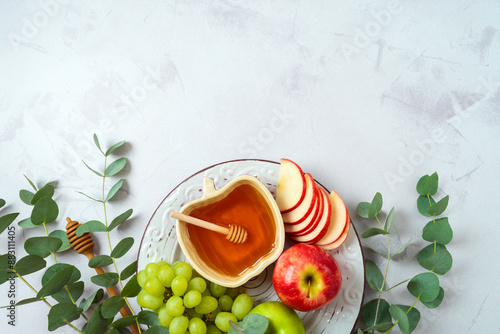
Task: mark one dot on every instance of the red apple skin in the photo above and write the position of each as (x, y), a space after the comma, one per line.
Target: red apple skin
(302, 265)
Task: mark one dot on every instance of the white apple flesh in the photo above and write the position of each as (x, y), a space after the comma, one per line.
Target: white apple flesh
(338, 220)
(312, 219)
(291, 186)
(306, 207)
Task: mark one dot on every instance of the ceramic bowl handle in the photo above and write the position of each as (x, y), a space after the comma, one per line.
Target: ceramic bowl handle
(208, 187)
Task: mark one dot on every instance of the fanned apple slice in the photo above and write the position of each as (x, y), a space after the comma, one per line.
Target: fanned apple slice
(291, 188)
(309, 221)
(337, 243)
(338, 220)
(305, 208)
(321, 228)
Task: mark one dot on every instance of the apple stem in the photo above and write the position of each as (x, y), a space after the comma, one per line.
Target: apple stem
(308, 288)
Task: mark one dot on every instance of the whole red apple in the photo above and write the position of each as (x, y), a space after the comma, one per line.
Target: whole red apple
(306, 277)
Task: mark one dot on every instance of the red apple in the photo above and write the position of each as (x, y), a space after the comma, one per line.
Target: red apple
(291, 186)
(306, 277)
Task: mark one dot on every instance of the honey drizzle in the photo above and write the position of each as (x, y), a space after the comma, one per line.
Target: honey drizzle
(243, 206)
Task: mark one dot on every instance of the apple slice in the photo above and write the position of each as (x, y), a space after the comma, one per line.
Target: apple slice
(306, 206)
(338, 220)
(291, 186)
(321, 228)
(309, 221)
(337, 243)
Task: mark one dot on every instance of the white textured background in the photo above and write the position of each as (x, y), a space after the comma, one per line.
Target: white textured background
(365, 95)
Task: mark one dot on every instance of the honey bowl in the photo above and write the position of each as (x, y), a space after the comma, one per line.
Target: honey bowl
(246, 202)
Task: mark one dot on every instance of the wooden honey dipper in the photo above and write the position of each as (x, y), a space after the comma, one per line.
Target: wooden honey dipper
(234, 233)
(85, 245)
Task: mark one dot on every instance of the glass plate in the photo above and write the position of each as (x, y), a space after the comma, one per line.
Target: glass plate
(159, 242)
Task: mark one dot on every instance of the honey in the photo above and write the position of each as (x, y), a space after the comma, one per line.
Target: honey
(243, 206)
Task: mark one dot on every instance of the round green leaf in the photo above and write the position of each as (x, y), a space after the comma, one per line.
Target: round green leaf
(114, 147)
(120, 219)
(56, 282)
(149, 318)
(373, 232)
(428, 185)
(2, 202)
(114, 189)
(436, 302)
(436, 258)
(55, 268)
(6, 220)
(439, 231)
(105, 279)
(42, 246)
(374, 276)
(157, 330)
(111, 306)
(132, 288)
(124, 322)
(26, 223)
(75, 289)
(26, 196)
(115, 167)
(439, 207)
(375, 206)
(413, 316)
(97, 324)
(29, 264)
(383, 316)
(423, 205)
(424, 286)
(128, 271)
(61, 235)
(44, 211)
(122, 247)
(63, 313)
(90, 226)
(388, 220)
(362, 209)
(45, 191)
(100, 261)
(96, 297)
(401, 318)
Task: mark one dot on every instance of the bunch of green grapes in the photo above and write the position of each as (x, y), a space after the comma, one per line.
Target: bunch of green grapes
(187, 303)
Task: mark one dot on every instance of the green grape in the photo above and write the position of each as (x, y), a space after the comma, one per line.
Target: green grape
(183, 269)
(217, 290)
(141, 278)
(192, 298)
(242, 306)
(225, 303)
(162, 263)
(152, 270)
(166, 275)
(164, 318)
(212, 329)
(222, 320)
(154, 287)
(146, 300)
(197, 326)
(207, 305)
(206, 293)
(179, 325)
(175, 306)
(233, 292)
(173, 265)
(212, 315)
(192, 313)
(198, 284)
(179, 285)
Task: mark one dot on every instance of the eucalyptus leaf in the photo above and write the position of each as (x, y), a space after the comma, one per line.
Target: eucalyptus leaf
(31, 183)
(388, 220)
(120, 219)
(362, 209)
(436, 258)
(105, 279)
(44, 211)
(96, 142)
(423, 205)
(45, 191)
(148, 318)
(27, 301)
(92, 170)
(100, 261)
(75, 290)
(132, 288)
(128, 271)
(56, 282)
(55, 268)
(115, 167)
(97, 324)
(26, 196)
(114, 189)
(398, 284)
(114, 147)
(90, 197)
(157, 330)
(6, 261)
(61, 235)
(63, 313)
(374, 276)
(399, 251)
(6, 220)
(90, 226)
(375, 250)
(29, 264)
(96, 297)
(413, 316)
(439, 207)
(424, 286)
(27, 223)
(400, 318)
(42, 246)
(428, 185)
(2, 203)
(438, 231)
(253, 324)
(381, 327)
(124, 322)
(375, 206)
(436, 302)
(122, 247)
(383, 316)
(111, 306)
(373, 232)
